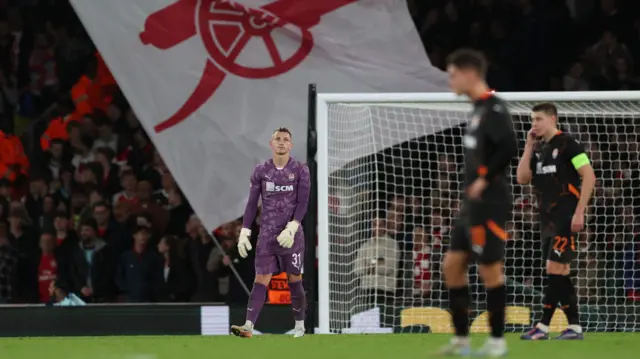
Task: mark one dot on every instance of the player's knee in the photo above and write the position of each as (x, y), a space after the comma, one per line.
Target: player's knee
(454, 265)
(263, 279)
(557, 268)
(492, 274)
(294, 277)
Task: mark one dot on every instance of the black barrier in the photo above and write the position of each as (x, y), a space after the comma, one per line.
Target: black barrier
(100, 320)
(211, 319)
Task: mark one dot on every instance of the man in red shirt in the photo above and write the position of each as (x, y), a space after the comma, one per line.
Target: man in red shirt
(48, 266)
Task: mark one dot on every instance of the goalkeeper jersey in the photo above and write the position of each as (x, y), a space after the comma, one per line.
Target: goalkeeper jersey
(285, 194)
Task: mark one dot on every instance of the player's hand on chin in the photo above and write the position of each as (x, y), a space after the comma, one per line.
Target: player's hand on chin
(476, 188)
(577, 222)
(287, 236)
(532, 137)
(244, 245)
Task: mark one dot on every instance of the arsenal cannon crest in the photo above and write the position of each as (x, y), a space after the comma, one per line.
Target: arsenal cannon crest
(226, 28)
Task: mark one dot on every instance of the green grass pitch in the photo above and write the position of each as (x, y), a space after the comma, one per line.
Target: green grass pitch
(390, 346)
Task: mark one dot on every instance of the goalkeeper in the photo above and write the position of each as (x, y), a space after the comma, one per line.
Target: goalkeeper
(559, 169)
(283, 184)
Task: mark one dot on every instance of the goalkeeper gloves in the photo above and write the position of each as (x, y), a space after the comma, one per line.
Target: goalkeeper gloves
(286, 237)
(244, 246)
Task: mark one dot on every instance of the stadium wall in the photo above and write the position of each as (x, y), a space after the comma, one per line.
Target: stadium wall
(194, 319)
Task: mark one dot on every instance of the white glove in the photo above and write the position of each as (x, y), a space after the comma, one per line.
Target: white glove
(244, 246)
(286, 237)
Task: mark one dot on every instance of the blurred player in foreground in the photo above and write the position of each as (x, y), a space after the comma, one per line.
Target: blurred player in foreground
(554, 162)
(283, 184)
(479, 233)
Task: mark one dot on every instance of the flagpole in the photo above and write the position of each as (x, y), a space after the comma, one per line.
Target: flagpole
(231, 266)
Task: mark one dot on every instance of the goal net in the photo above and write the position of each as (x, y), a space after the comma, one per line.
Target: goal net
(389, 185)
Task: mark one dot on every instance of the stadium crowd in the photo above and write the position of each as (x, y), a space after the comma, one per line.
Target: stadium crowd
(85, 199)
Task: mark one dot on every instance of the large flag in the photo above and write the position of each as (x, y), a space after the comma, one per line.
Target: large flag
(211, 79)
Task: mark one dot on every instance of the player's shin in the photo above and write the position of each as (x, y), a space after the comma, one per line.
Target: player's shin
(459, 307)
(493, 277)
(496, 301)
(551, 297)
(256, 302)
(298, 302)
(569, 303)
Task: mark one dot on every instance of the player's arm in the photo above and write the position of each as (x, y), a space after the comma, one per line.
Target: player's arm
(580, 161)
(244, 244)
(304, 188)
(524, 174)
(252, 203)
(499, 129)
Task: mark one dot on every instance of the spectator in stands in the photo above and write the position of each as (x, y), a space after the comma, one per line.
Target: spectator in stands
(154, 171)
(8, 266)
(140, 270)
(63, 193)
(128, 181)
(439, 226)
(78, 203)
(219, 263)
(426, 256)
(122, 213)
(66, 239)
(58, 155)
(606, 51)
(45, 220)
(200, 246)
(109, 230)
(110, 181)
(92, 265)
(47, 266)
(396, 218)
(25, 241)
(179, 279)
(91, 175)
(179, 213)
(145, 204)
(82, 153)
(106, 137)
(574, 79)
(38, 189)
(161, 196)
(377, 262)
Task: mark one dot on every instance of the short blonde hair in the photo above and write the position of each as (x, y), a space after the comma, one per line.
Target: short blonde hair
(282, 129)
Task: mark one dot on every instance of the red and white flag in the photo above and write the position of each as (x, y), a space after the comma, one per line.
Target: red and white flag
(211, 79)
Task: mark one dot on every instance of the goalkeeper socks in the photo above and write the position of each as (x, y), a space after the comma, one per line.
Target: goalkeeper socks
(552, 295)
(256, 302)
(569, 302)
(459, 307)
(298, 300)
(496, 301)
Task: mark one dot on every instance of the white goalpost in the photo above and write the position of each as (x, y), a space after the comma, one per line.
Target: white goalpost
(389, 185)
